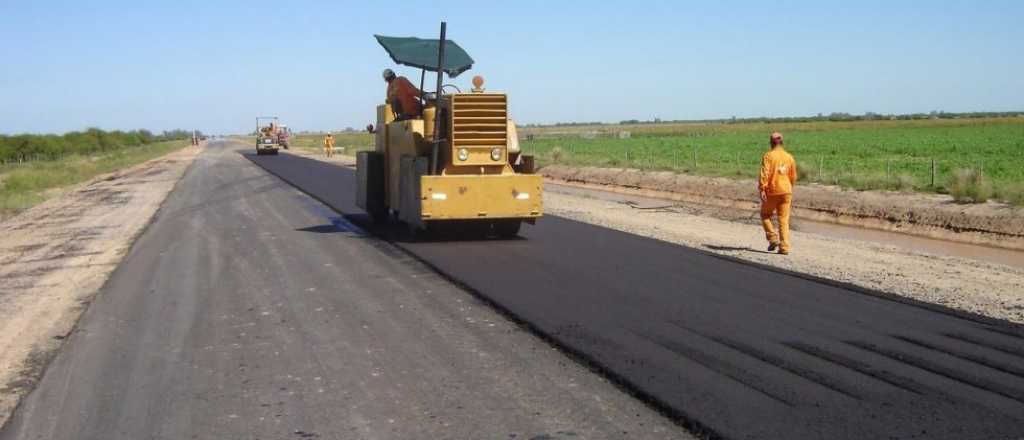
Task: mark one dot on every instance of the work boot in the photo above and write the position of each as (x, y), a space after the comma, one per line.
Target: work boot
(772, 246)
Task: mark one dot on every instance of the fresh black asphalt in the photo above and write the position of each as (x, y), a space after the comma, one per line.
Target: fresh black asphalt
(732, 349)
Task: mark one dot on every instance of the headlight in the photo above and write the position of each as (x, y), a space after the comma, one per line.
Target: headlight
(463, 154)
(496, 154)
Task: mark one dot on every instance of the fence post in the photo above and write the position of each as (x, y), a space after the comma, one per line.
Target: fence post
(695, 158)
(821, 168)
(888, 170)
(933, 172)
(739, 168)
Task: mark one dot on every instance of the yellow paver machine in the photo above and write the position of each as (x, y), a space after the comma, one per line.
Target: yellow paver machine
(457, 167)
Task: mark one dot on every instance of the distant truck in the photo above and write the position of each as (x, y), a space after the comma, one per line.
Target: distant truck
(284, 135)
(271, 136)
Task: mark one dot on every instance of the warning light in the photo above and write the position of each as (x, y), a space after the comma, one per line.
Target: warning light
(478, 84)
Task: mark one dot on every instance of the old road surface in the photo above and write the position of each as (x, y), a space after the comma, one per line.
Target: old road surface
(247, 310)
(179, 337)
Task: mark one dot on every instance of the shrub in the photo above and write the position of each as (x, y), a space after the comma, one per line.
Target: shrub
(968, 185)
(904, 182)
(24, 147)
(1011, 193)
(556, 154)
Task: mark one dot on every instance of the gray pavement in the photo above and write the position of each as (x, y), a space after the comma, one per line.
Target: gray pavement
(247, 310)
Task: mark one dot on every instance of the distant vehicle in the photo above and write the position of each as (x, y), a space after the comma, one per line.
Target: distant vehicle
(284, 136)
(266, 135)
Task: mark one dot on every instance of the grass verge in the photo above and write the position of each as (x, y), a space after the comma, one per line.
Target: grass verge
(23, 186)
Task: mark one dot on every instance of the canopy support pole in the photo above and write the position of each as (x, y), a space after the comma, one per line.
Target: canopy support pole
(423, 77)
(437, 106)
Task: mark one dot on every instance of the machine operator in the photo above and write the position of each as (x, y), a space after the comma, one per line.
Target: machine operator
(403, 96)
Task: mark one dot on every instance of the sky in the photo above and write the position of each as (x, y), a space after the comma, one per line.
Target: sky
(216, 65)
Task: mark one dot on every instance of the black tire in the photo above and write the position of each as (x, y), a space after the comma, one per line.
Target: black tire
(507, 228)
(379, 216)
(258, 152)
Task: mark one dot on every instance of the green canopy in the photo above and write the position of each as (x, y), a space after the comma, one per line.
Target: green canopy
(415, 52)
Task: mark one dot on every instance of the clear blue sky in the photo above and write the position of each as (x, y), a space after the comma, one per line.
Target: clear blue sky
(215, 65)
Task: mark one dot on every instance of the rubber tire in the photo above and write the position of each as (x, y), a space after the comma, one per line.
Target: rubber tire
(379, 217)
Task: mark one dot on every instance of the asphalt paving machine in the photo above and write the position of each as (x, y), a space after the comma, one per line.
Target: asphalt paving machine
(457, 168)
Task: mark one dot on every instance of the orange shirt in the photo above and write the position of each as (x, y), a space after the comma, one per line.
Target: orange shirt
(401, 91)
(778, 172)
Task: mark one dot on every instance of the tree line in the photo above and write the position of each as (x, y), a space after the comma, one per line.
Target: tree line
(27, 147)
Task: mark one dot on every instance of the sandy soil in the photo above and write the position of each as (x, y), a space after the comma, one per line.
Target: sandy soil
(733, 229)
(55, 257)
(928, 215)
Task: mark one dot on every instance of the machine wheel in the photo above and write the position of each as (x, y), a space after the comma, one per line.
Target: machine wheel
(379, 216)
(259, 152)
(507, 228)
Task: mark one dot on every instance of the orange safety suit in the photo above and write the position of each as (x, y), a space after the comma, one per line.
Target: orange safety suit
(404, 98)
(329, 145)
(778, 174)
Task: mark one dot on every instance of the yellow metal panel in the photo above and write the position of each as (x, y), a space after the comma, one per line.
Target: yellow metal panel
(481, 196)
(404, 138)
(384, 116)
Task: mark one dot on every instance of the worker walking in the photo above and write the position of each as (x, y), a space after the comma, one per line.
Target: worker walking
(329, 145)
(403, 96)
(775, 185)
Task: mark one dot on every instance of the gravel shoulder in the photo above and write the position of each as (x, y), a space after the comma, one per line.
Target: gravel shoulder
(55, 256)
(979, 287)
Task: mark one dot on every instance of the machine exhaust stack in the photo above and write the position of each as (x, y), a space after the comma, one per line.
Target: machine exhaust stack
(440, 79)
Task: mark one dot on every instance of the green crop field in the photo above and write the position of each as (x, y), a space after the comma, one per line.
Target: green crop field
(921, 155)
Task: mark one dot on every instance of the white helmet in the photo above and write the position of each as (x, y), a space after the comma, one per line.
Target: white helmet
(388, 74)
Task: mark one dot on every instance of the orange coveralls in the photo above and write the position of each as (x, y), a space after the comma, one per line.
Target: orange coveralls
(778, 174)
(404, 98)
(329, 145)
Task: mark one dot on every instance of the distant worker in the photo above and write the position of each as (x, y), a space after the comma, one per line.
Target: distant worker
(329, 145)
(778, 174)
(403, 96)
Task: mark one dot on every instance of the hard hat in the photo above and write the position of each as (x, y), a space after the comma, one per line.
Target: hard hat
(388, 74)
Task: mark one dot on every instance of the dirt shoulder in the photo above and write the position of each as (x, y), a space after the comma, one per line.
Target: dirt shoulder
(56, 256)
(927, 215)
(704, 222)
